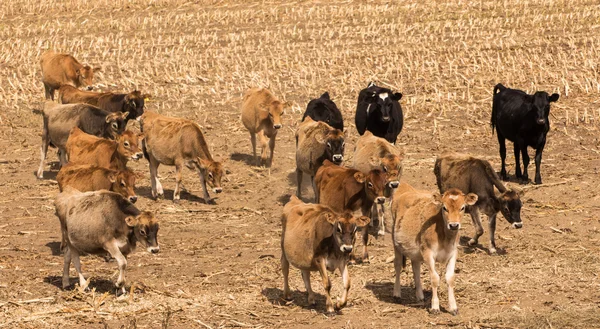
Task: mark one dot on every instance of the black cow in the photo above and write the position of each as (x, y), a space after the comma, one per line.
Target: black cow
(378, 111)
(523, 120)
(324, 109)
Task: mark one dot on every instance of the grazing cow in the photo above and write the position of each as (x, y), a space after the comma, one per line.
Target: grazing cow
(324, 109)
(375, 152)
(315, 238)
(133, 103)
(523, 120)
(426, 230)
(316, 141)
(102, 222)
(86, 149)
(63, 69)
(473, 175)
(178, 142)
(261, 115)
(349, 189)
(87, 178)
(60, 119)
(378, 111)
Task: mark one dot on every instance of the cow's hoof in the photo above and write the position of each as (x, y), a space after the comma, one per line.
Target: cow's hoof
(286, 297)
(493, 251)
(381, 233)
(397, 299)
(210, 201)
(340, 305)
(454, 312)
(472, 242)
(434, 311)
(538, 181)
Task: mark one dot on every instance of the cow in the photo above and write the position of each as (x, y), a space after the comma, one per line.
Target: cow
(379, 111)
(425, 229)
(60, 119)
(86, 149)
(474, 175)
(349, 189)
(316, 141)
(178, 142)
(316, 238)
(93, 178)
(102, 222)
(324, 109)
(63, 69)
(522, 119)
(261, 115)
(133, 102)
(375, 152)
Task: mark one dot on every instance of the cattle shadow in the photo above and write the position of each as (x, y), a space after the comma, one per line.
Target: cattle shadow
(299, 298)
(100, 285)
(55, 248)
(307, 189)
(243, 157)
(469, 249)
(146, 192)
(383, 291)
(513, 179)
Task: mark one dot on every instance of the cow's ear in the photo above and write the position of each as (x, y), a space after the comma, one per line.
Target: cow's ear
(112, 177)
(362, 221)
(131, 221)
(321, 139)
(325, 95)
(360, 177)
(437, 198)
(396, 96)
(97, 69)
(553, 98)
(471, 199)
(78, 72)
(124, 115)
(329, 217)
(204, 164)
(374, 161)
(371, 84)
(141, 136)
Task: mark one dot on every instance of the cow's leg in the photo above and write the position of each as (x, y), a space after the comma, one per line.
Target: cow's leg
(311, 295)
(476, 218)
(492, 223)
(299, 179)
(272, 148)
(75, 255)
(502, 143)
(285, 270)
(538, 163)
(346, 281)
(398, 267)
(263, 145)
(49, 92)
(315, 189)
(452, 307)
(516, 148)
(67, 265)
(204, 188)
(115, 252)
(326, 284)
(62, 157)
(365, 240)
(253, 141)
(380, 211)
(435, 282)
(43, 151)
(523, 147)
(157, 190)
(177, 192)
(416, 267)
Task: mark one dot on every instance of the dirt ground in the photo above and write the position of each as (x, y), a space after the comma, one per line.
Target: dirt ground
(219, 264)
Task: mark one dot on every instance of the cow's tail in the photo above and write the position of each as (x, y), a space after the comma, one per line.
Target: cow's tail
(497, 88)
(491, 173)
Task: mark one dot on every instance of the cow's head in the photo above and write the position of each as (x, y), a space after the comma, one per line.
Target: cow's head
(209, 170)
(541, 106)
(510, 206)
(391, 165)
(128, 145)
(276, 110)
(115, 124)
(454, 202)
(382, 100)
(345, 226)
(374, 184)
(334, 145)
(123, 182)
(85, 76)
(145, 228)
(134, 104)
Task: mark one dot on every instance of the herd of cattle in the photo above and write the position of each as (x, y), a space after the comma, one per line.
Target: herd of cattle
(95, 204)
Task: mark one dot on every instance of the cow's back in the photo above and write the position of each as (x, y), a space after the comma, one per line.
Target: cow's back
(369, 146)
(252, 107)
(68, 94)
(60, 119)
(86, 149)
(171, 139)
(466, 173)
(308, 149)
(336, 186)
(59, 69)
(84, 177)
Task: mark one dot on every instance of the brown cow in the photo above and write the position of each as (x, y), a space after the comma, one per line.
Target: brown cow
(93, 178)
(261, 114)
(178, 142)
(316, 141)
(60, 119)
(102, 222)
(473, 175)
(375, 152)
(133, 103)
(426, 230)
(315, 238)
(86, 149)
(349, 189)
(63, 69)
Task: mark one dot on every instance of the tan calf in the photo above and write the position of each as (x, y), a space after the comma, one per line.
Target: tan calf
(178, 142)
(426, 227)
(86, 178)
(261, 115)
(315, 238)
(86, 149)
(63, 69)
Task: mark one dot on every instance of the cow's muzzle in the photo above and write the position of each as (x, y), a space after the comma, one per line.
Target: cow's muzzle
(385, 119)
(541, 121)
(218, 190)
(137, 156)
(133, 198)
(154, 250)
(90, 88)
(380, 200)
(394, 184)
(337, 158)
(517, 225)
(345, 248)
(277, 126)
(454, 226)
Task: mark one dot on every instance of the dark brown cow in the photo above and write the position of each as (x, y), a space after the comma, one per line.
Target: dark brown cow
(349, 189)
(64, 69)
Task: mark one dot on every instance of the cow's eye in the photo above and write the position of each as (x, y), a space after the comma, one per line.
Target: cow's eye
(445, 209)
(339, 228)
(462, 208)
(210, 175)
(328, 144)
(384, 169)
(370, 185)
(115, 125)
(123, 183)
(126, 144)
(143, 232)
(343, 144)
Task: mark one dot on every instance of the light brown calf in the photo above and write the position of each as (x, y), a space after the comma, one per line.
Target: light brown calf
(315, 238)
(63, 69)
(93, 178)
(426, 230)
(178, 142)
(85, 149)
(261, 115)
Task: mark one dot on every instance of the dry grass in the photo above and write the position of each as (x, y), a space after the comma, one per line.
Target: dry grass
(220, 264)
